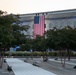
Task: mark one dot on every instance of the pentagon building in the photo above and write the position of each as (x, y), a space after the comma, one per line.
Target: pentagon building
(58, 19)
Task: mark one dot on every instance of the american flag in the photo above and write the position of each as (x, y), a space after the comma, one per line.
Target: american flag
(39, 28)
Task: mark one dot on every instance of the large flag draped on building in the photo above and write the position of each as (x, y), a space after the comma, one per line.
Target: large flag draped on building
(39, 28)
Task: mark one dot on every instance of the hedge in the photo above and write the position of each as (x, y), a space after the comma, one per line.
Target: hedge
(35, 54)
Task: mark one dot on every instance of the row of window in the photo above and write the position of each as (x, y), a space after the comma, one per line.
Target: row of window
(59, 24)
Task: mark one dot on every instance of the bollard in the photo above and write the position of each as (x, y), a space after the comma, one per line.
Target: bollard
(4, 60)
(9, 68)
(74, 67)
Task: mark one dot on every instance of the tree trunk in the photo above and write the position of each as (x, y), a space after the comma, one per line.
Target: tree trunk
(43, 55)
(2, 58)
(1, 62)
(69, 54)
(63, 57)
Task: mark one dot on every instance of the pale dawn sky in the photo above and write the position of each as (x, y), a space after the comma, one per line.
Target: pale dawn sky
(33, 6)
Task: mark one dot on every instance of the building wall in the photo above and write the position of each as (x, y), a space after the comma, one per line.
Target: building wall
(60, 23)
(52, 19)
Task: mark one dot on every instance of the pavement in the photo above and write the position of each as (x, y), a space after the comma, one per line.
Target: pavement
(55, 65)
(4, 71)
(51, 65)
(19, 67)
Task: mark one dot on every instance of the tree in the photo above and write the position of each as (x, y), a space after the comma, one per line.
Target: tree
(10, 31)
(5, 31)
(62, 40)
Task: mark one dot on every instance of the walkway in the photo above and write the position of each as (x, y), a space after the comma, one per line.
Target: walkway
(59, 61)
(20, 67)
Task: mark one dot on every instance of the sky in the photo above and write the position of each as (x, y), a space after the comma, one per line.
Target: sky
(35, 6)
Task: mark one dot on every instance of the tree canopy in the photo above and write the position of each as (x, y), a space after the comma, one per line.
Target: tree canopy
(64, 38)
(11, 30)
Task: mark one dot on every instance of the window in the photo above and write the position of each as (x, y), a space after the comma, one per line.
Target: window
(68, 23)
(74, 23)
(50, 25)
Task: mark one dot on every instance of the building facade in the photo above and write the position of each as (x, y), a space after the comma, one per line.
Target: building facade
(58, 19)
